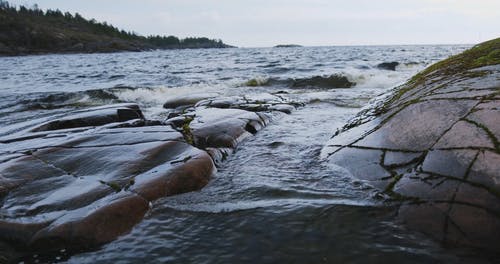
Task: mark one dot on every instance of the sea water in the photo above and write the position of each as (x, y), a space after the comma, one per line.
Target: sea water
(273, 200)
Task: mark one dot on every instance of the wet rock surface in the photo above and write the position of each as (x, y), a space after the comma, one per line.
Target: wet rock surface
(84, 179)
(217, 125)
(432, 147)
(94, 117)
(84, 188)
(187, 100)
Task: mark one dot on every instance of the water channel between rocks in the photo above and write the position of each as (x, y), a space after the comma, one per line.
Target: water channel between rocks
(273, 200)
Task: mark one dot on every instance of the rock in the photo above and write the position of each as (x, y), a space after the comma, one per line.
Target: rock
(432, 146)
(224, 128)
(98, 223)
(285, 108)
(288, 46)
(256, 103)
(315, 82)
(390, 66)
(328, 82)
(187, 100)
(80, 180)
(218, 130)
(94, 117)
(186, 169)
(79, 188)
(217, 125)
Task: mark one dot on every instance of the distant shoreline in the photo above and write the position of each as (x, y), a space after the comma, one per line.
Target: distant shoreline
(32, 31)
(99, 52)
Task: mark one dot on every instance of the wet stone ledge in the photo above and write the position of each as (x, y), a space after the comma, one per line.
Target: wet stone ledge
(432, 147)
(79, 181)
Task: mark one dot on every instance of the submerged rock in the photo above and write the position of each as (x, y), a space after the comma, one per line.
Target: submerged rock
(433, 147)
(390, 66)
(332, 81)
(315, 82)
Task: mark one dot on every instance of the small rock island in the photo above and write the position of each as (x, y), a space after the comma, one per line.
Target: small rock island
(287, 46)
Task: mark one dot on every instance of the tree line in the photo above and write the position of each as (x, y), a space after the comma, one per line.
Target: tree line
(12, 17)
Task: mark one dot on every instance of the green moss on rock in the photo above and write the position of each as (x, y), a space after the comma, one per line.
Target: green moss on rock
(484, 54)
(186, 130)
(491, 59)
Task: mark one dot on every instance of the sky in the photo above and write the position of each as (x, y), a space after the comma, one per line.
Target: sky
(263, 23)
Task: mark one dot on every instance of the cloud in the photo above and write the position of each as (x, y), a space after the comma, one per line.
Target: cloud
(476, 8)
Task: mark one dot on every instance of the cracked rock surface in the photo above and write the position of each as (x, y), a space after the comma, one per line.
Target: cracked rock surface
(433, 147)
(84, 179)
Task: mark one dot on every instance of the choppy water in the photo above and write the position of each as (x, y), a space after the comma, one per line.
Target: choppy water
(273, 200)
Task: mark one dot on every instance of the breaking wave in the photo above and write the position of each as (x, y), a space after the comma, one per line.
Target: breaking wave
(48, 101)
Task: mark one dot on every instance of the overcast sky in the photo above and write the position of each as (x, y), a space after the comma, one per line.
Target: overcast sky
(257, 23)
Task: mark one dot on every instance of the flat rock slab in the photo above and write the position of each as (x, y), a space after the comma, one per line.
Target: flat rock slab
(64, 188)
(418, 126)
(94, 117)
(434, 148)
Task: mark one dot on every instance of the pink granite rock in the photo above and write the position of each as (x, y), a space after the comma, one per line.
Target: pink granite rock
(438, 141)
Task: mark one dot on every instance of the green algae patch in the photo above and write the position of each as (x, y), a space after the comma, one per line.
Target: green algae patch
(186, 131)
(113, 185)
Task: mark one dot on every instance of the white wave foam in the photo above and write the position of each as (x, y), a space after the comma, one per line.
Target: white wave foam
(380, 79)
(158, 95)
(152, 99)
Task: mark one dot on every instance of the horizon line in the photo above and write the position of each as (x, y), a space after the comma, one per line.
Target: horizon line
(356, 45)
